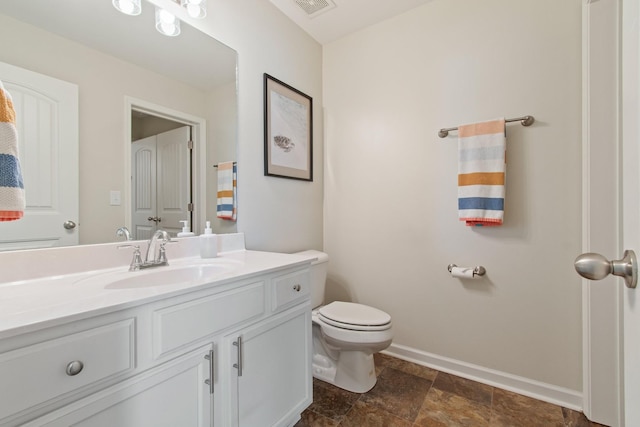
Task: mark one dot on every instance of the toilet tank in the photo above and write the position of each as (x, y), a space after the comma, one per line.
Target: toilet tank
(318, 274)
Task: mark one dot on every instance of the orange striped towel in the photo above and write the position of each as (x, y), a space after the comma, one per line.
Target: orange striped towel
(12, 200)
(481, 173)
(227, 188)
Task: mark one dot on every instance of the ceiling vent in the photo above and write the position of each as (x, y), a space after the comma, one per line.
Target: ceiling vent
(314, 8)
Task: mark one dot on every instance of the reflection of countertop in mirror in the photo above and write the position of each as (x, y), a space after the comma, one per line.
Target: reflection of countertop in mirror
(48, 287)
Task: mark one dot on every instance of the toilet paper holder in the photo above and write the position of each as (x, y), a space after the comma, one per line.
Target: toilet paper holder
(477, 271)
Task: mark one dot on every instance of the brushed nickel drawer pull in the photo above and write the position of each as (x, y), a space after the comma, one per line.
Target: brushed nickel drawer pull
(210, 380)
(74, 368)
(238, 365)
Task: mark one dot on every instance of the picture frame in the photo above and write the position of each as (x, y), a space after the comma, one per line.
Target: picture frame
(288, 131)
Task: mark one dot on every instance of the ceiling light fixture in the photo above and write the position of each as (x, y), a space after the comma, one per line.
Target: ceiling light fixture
(195, 8)
(129, 7)
(166, 23)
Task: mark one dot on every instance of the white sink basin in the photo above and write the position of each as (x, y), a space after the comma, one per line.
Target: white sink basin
(158, 276)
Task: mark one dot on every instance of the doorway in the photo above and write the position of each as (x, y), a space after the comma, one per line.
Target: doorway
(165, 161)
(161, 166)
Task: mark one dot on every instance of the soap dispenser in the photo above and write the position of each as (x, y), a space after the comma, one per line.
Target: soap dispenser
(208, 243)
(185, 230)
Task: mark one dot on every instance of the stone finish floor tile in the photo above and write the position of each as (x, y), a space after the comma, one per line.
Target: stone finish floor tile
(382, 361)
(577, 419)
(370, 416)
(398, 393)
(513, 410)
(410, 395)
(441, 408)
(330, 401)
(311, 419)
(472, 390)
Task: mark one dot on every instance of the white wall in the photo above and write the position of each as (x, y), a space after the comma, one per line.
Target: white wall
(391, 224)
(222, 109)
(275, 214)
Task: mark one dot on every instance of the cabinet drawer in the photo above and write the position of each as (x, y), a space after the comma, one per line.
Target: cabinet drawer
(290, 288)
(37, 373)
(190, 321)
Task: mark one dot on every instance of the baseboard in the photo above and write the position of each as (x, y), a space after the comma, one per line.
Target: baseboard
(564, 397)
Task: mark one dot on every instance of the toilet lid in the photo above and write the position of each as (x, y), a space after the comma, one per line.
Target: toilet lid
(350, 315)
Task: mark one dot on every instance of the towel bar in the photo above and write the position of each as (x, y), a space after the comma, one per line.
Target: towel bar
(524, 120)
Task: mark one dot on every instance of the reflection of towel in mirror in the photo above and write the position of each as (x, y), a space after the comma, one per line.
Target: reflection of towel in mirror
(12, 201)
(227, 188)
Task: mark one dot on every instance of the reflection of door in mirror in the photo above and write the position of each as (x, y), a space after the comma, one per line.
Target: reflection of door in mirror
(47, 125)
(161, 174)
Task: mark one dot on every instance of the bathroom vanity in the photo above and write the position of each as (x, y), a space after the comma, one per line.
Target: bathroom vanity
(218, 342)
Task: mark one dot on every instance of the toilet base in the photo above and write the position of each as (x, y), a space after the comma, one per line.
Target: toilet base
(353, 371)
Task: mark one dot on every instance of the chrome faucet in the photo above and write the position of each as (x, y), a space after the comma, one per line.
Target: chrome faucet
(151, 259)
(123, 232)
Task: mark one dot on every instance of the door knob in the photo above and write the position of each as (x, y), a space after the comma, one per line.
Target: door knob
(69, 225)
(596, 267)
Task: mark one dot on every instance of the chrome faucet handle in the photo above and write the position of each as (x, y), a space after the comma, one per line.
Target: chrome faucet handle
(124, 232)
(136, 261)
(162, 256)
(162, 252)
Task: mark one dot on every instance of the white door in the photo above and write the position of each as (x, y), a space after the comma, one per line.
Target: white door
(47, 124)
(604, 21)
(631, 202)
(143, 187)
(174, 178)
(161, 187)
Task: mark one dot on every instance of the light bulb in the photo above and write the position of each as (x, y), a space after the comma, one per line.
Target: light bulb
(130, 7)
(195, 8)
(167, 23)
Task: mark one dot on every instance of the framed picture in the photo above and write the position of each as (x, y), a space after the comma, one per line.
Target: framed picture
(288, 130)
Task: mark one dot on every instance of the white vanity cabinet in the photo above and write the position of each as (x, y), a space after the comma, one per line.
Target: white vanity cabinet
(266, 366)
(171, 362)
(46, 368)
(173, 394)
(273, 384)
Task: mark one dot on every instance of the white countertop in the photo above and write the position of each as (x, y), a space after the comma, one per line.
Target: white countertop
(34, 303)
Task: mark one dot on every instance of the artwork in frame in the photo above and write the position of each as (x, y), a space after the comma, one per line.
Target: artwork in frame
(288, 130)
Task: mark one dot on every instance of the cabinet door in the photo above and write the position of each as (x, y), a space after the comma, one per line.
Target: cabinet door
(275, 382)
(173, 394)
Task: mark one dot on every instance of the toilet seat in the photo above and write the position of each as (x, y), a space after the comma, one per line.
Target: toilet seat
(353, 316)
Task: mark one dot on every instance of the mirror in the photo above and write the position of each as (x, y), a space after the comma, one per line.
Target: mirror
(122, 66)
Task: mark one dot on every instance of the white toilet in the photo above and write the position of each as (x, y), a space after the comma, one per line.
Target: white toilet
(345, 335)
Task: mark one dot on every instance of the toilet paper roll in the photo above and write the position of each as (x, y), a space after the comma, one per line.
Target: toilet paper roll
(463, 273)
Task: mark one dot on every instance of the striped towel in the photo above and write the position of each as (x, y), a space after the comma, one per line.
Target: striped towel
(227, 189)
(12, 200)
(481, 173)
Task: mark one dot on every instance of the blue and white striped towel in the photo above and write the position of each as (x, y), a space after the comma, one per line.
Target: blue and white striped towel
(227, 191)
(12, 200)
(481, 173)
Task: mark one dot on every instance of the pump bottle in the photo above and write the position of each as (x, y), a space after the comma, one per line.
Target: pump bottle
(208, 243)
(185, 230)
